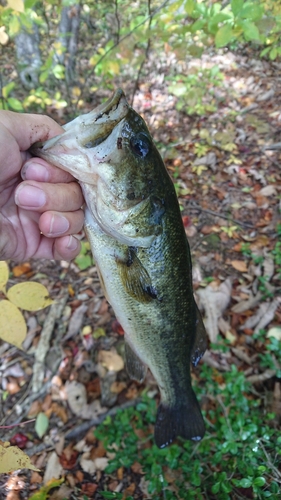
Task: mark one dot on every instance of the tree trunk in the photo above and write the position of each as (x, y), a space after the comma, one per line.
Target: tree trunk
(28, 56)
(68, 38)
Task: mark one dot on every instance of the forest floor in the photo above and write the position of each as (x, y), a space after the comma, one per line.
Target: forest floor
(227, 178)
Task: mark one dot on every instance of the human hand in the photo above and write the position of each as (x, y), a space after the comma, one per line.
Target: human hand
(39, 215)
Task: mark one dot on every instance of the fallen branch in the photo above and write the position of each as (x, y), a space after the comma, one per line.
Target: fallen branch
(44, 342)
(85, 426)
(219, 214)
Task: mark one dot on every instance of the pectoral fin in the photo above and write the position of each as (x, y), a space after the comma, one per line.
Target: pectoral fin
(135, 367)
(200, 342)
(135, 278)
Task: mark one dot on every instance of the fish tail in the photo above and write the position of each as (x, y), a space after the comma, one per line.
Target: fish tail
(184, 419)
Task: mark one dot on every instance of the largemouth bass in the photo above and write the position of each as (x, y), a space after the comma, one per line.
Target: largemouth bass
(138, 241)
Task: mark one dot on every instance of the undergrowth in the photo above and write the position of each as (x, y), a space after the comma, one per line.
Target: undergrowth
(238, 457)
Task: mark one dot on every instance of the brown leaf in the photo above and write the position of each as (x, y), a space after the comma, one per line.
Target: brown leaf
(118, 387)
(137, 468)
(240, 265)
(21, 269)
(98, 451)
(111, 360)
(89, 489)
(35, 408)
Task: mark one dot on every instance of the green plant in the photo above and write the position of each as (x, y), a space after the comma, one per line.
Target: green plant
(239, 452)
(194, 92)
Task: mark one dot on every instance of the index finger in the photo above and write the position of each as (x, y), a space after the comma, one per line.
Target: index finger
(29, 128)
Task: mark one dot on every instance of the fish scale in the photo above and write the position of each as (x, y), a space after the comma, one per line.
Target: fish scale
(134, 226)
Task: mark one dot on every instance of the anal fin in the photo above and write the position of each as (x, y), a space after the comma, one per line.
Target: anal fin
(200, 341)
(135, 367)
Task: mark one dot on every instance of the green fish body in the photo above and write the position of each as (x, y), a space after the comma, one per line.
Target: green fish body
(137, 237)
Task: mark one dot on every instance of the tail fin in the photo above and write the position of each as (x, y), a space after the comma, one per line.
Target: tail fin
(184, 419)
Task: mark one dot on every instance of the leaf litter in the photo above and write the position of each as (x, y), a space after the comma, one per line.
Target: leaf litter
(228, 184)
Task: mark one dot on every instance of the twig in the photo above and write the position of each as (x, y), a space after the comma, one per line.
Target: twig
(216, 214)
(115, 45)
(85, 426)
(146, 53)
(272, 147)
(17, 425)
(118, 21)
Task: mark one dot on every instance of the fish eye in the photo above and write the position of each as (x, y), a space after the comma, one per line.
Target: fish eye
(140, 145)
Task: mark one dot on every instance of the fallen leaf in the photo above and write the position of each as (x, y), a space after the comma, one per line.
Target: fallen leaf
(111, 360)
(30, 296)
(274, 332)
(21, 269)
(12, 324)
(118, 387)
(239, 265)
(13, 458)
(268, 191)
(4, 274)
(52, 473)
(214, 299)
(41, 424)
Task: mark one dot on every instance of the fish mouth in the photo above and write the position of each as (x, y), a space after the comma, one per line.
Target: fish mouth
(69, 150)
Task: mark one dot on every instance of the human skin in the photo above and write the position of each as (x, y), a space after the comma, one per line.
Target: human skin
(40, 205)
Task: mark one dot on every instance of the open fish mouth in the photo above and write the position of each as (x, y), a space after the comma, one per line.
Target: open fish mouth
(69, 150)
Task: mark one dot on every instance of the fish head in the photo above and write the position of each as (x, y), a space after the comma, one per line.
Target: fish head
(110, 151)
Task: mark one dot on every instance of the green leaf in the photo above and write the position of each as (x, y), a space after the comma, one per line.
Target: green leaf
(58, 71)
(224, 36)
(111, 495)
(44, 76)
(7, 89)
(216, 488)
(189, 6)
(83, 261)
(265, 51)
(178, 89)
(41, 424)
(259, 481)
(15, 104)
(246, 483)
(236, 6)
(252, 11)
(28, 4)
(250, 30)
(273, 54)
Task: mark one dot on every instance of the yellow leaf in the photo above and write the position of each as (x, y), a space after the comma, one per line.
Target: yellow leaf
(31, 296)
(76, 91)
(240, 265)
(12, 324)
(13, 458)
(111, 360)
(17, 5)
(3, 35)
(4, 274)
(199, 169)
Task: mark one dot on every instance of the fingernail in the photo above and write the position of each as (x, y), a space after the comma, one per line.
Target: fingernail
(30, 197)
(59, 225)
(35, 172)
(72, 243)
